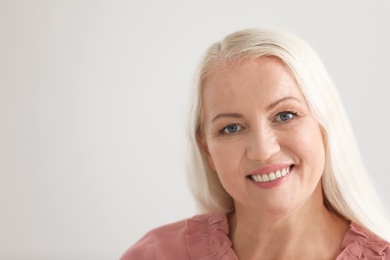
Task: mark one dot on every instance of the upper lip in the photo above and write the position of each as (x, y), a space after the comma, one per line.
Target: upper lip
(270, 168)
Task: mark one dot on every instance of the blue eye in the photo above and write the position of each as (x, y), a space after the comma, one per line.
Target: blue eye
(285, 116)
(231, 129)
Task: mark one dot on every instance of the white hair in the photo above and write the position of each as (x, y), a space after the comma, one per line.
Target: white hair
(346, 186)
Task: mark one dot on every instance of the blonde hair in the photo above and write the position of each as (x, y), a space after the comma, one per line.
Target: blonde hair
(346, 185)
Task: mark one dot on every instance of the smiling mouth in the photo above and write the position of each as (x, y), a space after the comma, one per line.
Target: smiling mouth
(271, 176)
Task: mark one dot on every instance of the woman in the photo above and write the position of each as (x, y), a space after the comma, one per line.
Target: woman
(275, 165)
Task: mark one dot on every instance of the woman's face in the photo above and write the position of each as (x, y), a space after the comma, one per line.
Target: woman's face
(261, 138)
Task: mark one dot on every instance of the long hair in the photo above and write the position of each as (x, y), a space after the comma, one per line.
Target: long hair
(346, 186)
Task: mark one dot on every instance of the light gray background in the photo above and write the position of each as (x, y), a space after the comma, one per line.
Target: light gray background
(93, 101)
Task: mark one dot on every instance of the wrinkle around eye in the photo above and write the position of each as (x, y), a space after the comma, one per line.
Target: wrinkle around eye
(292, 116)
(225, 130)
(222, 132)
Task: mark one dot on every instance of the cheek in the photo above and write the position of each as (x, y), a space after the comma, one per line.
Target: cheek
(315, 141)
(305, 142)
(312, 148)
(226, 156)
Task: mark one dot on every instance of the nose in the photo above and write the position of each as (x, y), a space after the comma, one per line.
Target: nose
(262, 144)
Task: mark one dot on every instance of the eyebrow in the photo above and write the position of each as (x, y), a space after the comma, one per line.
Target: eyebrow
(274, 104)
(271, 106)
(233, 115)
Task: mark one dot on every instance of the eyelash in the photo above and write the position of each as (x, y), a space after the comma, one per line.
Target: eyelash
(293, 113)
(222, 131)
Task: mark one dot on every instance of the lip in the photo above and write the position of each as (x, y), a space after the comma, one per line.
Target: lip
(268, 169)
(271, 168)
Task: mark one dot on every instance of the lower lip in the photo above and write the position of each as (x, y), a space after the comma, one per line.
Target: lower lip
(272, 184)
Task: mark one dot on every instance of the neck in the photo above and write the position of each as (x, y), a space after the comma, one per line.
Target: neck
(310, 230)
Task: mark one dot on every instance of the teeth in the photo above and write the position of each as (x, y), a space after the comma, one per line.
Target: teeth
(271, 176)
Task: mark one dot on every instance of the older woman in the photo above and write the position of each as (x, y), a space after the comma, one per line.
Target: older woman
(275, 166)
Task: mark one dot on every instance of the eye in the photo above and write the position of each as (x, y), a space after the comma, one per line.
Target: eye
(285, 116)
(231, 129)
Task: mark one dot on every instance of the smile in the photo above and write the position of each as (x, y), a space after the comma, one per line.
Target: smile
(271, 176)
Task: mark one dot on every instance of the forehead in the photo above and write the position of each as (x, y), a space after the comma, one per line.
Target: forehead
(258, 82)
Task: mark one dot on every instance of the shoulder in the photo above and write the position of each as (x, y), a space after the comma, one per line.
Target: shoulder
(159, 241)
(184, 239)
(360, 243)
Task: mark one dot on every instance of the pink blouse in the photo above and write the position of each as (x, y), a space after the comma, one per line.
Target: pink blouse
(205, 237)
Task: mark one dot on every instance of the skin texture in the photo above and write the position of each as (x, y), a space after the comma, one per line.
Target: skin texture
(256, 116)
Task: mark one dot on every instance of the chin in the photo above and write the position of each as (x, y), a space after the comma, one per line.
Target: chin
(281, 210)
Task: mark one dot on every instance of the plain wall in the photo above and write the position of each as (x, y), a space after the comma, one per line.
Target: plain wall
(93, 106)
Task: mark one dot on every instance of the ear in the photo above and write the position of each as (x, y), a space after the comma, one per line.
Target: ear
(201, 140)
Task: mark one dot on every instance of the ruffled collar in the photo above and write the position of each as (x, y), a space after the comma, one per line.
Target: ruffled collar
(359, 243)
(208, 239)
